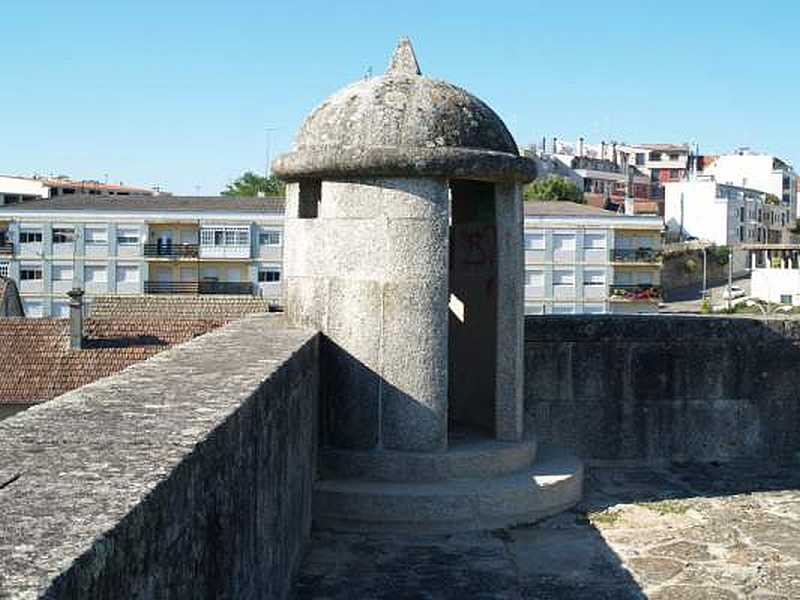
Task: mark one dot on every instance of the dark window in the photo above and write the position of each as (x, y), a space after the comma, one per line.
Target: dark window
(270, 275)
(269, 238)
(30, 237)
(30, 273)
(63, 235)
(310, 197)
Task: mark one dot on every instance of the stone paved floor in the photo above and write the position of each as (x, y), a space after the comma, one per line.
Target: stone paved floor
(688, 532)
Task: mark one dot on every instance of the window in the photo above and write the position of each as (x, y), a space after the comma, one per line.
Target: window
(563, 309)
(674, 174)
(268, 237)
(63, 235)
(786, 298)
(225, 236)
(563, 242)
(594, 277)
(534, 240)
(310, 197)
(269, 275)
(30, 236)
(33, 308)
(61, 272)
(4, 269)
(96, 235)
(95, 274)
(594, 240)
(534, 277)
(534, 308)
(639, 158)
(127, 236)
(127, 274)
(60, 309)
(565, 277)
(30, 273)
(594, 309)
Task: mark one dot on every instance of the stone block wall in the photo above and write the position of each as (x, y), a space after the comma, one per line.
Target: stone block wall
(186, 476)
(666, 388)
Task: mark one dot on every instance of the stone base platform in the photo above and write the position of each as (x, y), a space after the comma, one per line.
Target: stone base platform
(471, 486)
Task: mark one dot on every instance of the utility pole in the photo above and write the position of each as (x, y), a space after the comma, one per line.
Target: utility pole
(705, 281)
(730, 275)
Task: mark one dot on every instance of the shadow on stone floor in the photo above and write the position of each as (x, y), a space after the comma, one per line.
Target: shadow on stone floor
(607, 486)
(565, 557)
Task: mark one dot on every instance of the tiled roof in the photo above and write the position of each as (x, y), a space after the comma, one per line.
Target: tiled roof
(93, 185)
(538, 208)
(37, 364)
(150, 203)
(177, 307)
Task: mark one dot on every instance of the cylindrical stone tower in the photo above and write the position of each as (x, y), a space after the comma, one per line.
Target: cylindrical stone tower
(404, 248)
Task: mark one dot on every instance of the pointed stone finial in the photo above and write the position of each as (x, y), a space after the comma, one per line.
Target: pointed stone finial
(404, 62)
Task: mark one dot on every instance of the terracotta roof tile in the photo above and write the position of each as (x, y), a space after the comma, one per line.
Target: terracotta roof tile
(37, 364)
(181, 307)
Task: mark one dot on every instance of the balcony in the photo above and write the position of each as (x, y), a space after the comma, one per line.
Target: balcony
(162, 250)
(198, 287)
(636, 255)
(223, 251)
(641, 292)
(6, 249)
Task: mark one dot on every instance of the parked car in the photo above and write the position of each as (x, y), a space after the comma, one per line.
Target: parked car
(734, 291)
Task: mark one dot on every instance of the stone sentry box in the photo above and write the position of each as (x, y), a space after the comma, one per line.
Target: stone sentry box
(404, 249)
(404, 198)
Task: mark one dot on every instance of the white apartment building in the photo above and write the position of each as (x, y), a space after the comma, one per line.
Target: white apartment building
(582, 259)
(14, 190)
(775, 273)
(763, 172)
(725, 214)
(21, 189)
(133, 245)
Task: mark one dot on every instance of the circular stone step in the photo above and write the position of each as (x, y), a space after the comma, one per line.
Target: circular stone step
(466, 459)
(544, 489)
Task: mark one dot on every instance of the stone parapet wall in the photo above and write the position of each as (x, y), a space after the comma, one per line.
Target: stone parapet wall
(189, 475)
(663, 388)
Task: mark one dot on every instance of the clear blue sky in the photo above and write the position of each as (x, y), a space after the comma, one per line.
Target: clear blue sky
(180, 93)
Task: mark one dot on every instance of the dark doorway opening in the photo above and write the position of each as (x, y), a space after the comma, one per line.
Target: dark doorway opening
(472, 352)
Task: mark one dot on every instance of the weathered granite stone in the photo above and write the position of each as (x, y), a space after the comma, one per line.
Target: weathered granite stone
(188, 475)
(615, 387)
(404, 124)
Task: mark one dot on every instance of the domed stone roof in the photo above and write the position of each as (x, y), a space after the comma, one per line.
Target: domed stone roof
(403, 123)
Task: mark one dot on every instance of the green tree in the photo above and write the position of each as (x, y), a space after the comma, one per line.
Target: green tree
(251, 184)
(554, 187)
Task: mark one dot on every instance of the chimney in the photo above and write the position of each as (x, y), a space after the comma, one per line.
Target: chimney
(603, 150)
(75, 318)
(555, 140)
(580, 147)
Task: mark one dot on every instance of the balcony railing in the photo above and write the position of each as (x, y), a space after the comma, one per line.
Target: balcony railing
(170, 250)
(6, 248)
(635, 255)
(198, 287)
(225, 251)
(641, 292)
